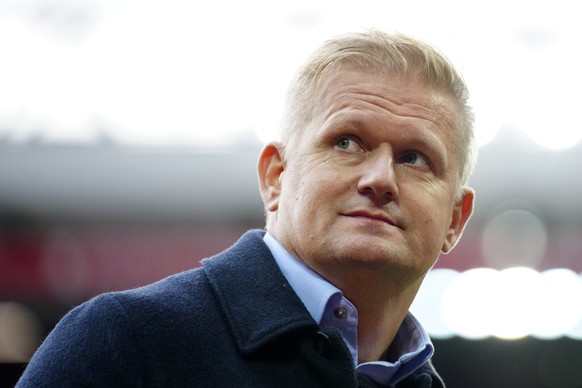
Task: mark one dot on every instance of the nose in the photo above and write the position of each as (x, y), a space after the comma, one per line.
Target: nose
(378, 176)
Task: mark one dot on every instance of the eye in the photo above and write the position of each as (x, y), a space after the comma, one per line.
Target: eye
(347, 143)
(415, 158)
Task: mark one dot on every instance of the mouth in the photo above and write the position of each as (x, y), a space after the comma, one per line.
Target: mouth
(373, 217)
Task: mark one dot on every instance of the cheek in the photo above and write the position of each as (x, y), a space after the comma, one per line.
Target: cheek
(315, 187)
(301, 193)
(312, 198)
(433, 215)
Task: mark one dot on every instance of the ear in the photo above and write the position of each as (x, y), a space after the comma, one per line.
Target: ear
(270, 168)
(461, 214)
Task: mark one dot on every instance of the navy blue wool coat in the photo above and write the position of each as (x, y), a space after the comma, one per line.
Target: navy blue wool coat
(234, 322)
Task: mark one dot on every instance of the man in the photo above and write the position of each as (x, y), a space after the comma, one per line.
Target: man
(363, 192)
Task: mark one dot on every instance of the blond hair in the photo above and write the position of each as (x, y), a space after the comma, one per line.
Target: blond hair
(379, 52)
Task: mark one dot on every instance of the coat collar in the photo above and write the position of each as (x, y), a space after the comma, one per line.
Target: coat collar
(256, 299)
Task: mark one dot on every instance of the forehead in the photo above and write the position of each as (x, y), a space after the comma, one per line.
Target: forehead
(386, 100)
(398, 95)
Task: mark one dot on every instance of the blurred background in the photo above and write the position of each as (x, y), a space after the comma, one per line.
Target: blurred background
(130, 130)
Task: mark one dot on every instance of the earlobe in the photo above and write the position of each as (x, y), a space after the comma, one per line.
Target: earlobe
(461, 214)
(271, 166)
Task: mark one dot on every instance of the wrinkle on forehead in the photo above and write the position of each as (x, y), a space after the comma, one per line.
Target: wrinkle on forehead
(401, 98)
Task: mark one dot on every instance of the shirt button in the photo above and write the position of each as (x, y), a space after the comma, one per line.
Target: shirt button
(340, 313)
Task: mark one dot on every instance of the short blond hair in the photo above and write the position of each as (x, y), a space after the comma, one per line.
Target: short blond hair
(379, 52)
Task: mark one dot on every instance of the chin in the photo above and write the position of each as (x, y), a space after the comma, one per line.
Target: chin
(383, 259)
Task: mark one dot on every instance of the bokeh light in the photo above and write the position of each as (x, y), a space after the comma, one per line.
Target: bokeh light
(508, 304)
(514, 237)
(20, 332)
(515, 295)
(559, 305)
(576, 331)
(468, 307)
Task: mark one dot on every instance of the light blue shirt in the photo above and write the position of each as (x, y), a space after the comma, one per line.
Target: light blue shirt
(329, 308)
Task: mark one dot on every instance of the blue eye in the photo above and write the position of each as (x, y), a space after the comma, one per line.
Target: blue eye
(414, 157)
(348, 143)
(344, 143)
(410, 157)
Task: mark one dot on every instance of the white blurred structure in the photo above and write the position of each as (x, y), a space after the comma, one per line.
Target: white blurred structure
(177, 72)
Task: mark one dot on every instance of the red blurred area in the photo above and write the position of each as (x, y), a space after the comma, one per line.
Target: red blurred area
(75, 262)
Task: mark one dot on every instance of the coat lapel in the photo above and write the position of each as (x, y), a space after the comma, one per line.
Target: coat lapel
(256, 299)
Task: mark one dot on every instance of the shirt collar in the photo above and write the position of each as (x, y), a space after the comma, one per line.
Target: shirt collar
(414, 347)
(412, 343)
(310, 287)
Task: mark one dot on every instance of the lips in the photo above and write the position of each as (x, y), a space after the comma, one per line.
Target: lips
(377, 216)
